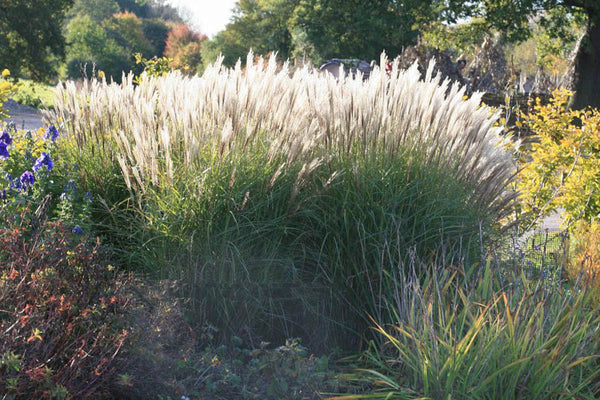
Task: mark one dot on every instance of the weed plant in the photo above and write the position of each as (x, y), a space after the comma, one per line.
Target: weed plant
(273, 195)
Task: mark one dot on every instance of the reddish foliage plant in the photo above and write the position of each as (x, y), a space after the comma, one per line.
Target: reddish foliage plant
(183, 46)
(60, 312)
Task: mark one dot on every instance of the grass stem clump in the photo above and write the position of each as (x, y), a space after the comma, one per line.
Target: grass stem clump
(521, 341)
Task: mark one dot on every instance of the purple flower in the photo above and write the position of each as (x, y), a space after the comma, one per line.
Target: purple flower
(27, 179)
(13, 183)
(70, 186)
(3, 150)
(44, 159)
(5, 138)
(77, 230)
(3, 195)
(88, 197)
(529, 262)
(51, 133)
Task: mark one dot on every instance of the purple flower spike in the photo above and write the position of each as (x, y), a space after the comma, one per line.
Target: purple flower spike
(44, 159)
(51, 133)
(3, 150)
(77, 230)
(5, 138)
(27, 179)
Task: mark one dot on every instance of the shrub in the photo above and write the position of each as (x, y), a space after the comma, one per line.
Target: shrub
(59, 299)
(562, 168)
(584, 266)
(6, 90)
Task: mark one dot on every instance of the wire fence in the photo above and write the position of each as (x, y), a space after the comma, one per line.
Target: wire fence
(542, 254)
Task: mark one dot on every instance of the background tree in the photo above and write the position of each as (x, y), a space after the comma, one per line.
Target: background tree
(317, 29)
(260, 25)
(156, 32)
(93, 48)
(126, 30)
(97, 10)
(138, 7)
(31, 36)
(353, 28)
(512, 18)
(101, 40)
(105, 34)
(184, 47)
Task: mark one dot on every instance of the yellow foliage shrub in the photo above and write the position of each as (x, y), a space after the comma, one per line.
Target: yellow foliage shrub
(563, 170)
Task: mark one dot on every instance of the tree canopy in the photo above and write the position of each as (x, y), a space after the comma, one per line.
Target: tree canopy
(31, 36)
(355, 29)
(512, 19)
(104, 35)
(318, 29)
(322, 29)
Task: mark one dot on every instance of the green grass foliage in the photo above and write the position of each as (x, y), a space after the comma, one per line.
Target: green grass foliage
(34, 94)
(450, 340)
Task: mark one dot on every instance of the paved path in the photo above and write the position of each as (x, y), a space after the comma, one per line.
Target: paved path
(552, 222)
(24, 117)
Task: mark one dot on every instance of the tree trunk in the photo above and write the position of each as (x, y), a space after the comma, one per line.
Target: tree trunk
(586, 82)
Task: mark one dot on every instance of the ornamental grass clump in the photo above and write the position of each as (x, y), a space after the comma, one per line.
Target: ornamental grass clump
(525, 340)
(273, 194)
(166, 122)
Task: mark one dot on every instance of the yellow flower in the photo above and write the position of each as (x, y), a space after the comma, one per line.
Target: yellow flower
(6, 72)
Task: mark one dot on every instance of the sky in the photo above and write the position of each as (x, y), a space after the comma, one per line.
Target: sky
(207, 16)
